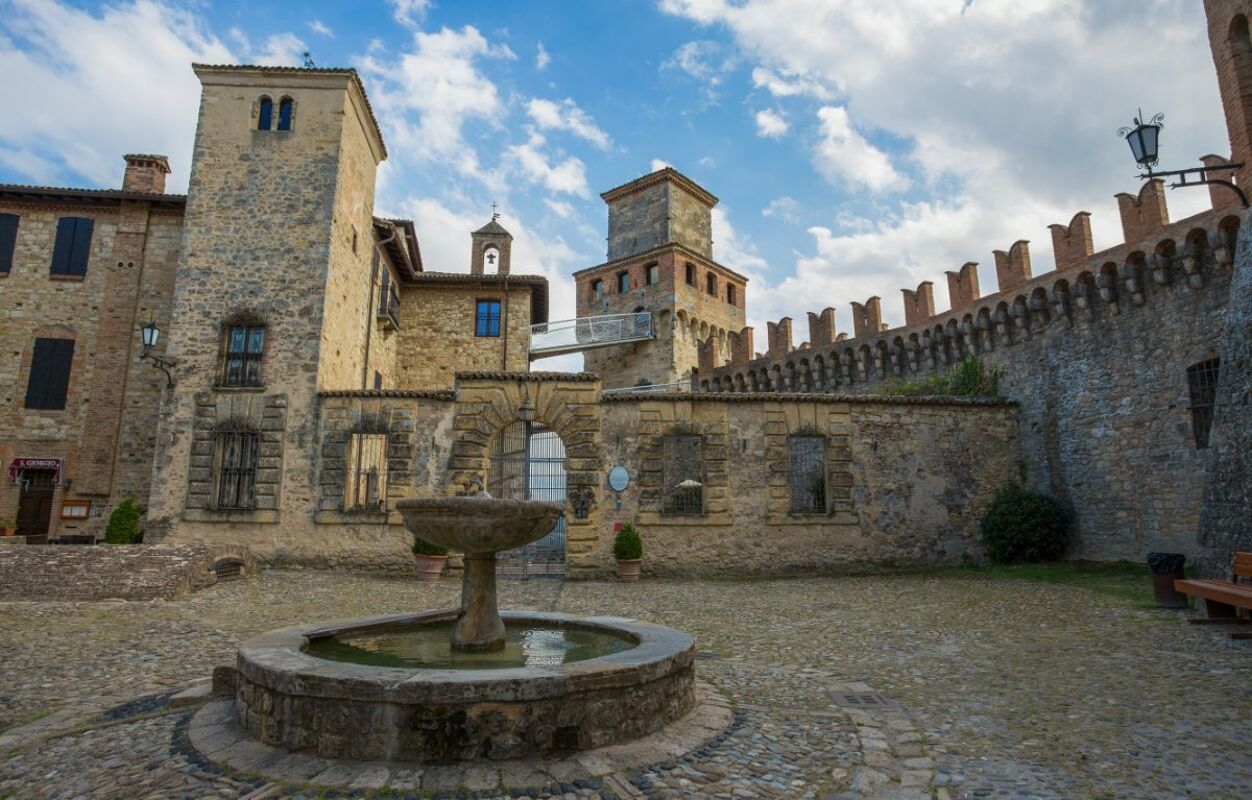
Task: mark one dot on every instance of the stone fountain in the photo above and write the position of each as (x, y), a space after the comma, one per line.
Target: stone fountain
(468, 683)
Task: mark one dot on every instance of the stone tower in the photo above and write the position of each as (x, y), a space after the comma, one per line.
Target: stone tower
(492, 248)
(660, 259)
(1230, 38)
(277, 238)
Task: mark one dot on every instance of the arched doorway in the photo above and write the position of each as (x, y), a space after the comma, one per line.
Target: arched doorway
(527, 462)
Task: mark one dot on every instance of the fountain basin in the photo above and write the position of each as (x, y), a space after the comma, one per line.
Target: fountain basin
(287, 697)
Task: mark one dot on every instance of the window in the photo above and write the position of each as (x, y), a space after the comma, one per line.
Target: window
(245, 345)
(285, 108)
(487, 318)
(378, 380)
(623, 282)
(49, 373)
(265, 116)
(711, 284)
(72, 247)
(652, 274)
(682, 466)
(691, 275)
(1202, 382)
(236, 460)
(730, 293)
(8, 240)
(807, 474)
(367, 472)
(597, 290)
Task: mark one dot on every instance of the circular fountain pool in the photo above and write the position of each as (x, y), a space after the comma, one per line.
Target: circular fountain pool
(391, 688)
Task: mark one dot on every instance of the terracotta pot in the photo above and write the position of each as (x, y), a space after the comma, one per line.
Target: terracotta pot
(628, 569)
(429, 568)
(9, 531)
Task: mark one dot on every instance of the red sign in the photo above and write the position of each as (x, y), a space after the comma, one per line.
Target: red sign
(19, 464)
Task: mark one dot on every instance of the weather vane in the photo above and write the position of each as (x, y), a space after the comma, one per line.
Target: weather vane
(495, 215)
(308, 60)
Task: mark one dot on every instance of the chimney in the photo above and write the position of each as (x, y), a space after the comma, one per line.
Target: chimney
(145, 173)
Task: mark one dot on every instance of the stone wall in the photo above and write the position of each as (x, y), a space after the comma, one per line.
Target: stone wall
(906, 480)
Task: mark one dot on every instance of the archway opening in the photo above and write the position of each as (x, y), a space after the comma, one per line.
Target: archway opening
(527, 462)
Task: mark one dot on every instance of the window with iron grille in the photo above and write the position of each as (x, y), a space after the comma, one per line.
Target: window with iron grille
(682, 466)
(487, 318)
(807, 474)
(237, 452)
(1202, 383)
(367, 473)
(245, 346)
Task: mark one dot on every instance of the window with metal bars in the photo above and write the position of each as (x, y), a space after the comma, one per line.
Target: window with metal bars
(237, 452)
(807, 474)
(367, 473)
(682, 468)
(1202, 383)
(244, 346)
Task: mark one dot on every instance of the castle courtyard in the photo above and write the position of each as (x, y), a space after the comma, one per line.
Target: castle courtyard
(967, 684)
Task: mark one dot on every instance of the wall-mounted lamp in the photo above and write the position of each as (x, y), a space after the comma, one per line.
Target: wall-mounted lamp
(151, 335)
(1144, 139)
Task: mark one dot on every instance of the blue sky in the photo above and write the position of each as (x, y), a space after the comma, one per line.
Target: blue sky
(858, 146)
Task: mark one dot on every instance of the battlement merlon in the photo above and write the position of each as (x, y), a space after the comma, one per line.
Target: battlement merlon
(1013, 266)
(822, 327)
(1072, 244)
(919, 305)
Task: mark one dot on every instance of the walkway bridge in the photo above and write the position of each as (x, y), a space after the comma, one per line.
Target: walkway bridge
(588, 333)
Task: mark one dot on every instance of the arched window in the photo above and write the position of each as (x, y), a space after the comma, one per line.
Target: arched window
(285, 107)
(265, 115)
(1202, 386)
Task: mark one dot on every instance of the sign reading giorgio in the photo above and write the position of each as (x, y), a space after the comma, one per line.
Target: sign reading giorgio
(20, 465)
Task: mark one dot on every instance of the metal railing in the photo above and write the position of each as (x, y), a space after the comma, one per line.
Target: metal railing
(680, 386)
(585, 333)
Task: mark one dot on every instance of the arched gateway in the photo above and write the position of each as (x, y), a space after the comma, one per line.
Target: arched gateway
(527, 462)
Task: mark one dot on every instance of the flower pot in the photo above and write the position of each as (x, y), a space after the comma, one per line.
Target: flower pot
(429, 568)
(9, 531)
(628, 569)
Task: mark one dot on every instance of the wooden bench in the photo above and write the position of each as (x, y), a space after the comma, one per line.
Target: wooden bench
(1223, 599)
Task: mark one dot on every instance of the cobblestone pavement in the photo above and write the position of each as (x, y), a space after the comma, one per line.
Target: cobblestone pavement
(934, 686)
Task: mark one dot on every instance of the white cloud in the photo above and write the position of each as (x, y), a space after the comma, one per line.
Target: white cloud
(788, 85)
(843, 154)
(559, 207)
(567, 116)
(321, 29)
(658, 164)
(410, 13)
(771, 124)
(707, 161)
(542, 57)
(783, 208)
(280, 50)
(70, 99)
(568, 176)
(706, 61)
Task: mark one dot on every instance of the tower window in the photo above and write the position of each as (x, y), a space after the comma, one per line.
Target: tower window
(72, 247)
(711, 284)
(623, 282)
(285, 108)
(652, 274)
(8, 241)
(491, 256)
(487, 318)
(243, 349)
(1202, 383)
(265, 115)
(731, 294)
(691, 275)
(49, 380)
(597, 290)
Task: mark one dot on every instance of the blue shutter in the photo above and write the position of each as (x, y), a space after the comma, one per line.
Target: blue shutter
(266, 115)
(49, 373)
(82, 246)
(284, 114)
(63, 246)
(8, 240)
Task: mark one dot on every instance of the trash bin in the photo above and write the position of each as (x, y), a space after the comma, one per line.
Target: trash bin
(1167, 568)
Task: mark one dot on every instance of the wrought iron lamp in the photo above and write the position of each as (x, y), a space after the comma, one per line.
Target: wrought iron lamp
(1144, 140)
(151, 334)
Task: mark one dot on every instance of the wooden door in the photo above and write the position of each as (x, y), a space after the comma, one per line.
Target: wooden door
(34, 505)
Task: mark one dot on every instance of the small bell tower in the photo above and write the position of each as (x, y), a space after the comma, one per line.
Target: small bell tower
(492, 247)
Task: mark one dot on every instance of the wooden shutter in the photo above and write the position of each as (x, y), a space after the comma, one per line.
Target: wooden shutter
(49, 373)
(64, 245)
(82, 246)
(8, 240)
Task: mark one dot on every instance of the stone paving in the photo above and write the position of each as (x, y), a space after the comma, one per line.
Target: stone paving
(934, 686)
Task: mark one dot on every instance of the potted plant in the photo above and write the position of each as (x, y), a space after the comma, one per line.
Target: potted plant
(430, 559)
(628, 550)
(6, 527)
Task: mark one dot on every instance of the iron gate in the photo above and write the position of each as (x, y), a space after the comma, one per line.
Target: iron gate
(528, 463)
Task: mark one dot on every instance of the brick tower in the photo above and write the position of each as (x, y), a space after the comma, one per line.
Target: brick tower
(660, 259)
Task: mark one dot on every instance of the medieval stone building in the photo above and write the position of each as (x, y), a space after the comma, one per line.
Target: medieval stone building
(311, 370)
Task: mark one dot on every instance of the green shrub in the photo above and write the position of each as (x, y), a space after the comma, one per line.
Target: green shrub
(422, 547)
(627, 545)
(123, 523)
(1024, 526)
(969, 377)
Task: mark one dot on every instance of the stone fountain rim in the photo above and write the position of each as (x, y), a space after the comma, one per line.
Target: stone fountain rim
(277, 660)
(537, 507)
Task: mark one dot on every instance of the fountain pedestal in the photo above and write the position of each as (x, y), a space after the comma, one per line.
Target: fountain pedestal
(479, 628)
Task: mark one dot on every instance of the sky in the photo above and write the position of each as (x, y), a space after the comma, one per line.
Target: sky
(858, 147)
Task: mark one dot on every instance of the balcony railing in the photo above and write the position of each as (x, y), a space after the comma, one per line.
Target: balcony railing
(586, 333)
(650, 388)
(389, 309)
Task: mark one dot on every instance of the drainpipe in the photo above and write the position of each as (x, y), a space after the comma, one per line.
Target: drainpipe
(369, 325)
(504, 356)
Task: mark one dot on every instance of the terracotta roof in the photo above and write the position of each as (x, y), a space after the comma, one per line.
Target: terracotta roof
(402, 247)
(20, 191)
(807, 397)
(538, 284)
(493, 227)
(653, 178)
(572, 377)
(369, 109)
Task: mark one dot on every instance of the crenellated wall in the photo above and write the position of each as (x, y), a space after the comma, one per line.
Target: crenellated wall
(1096, 352)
